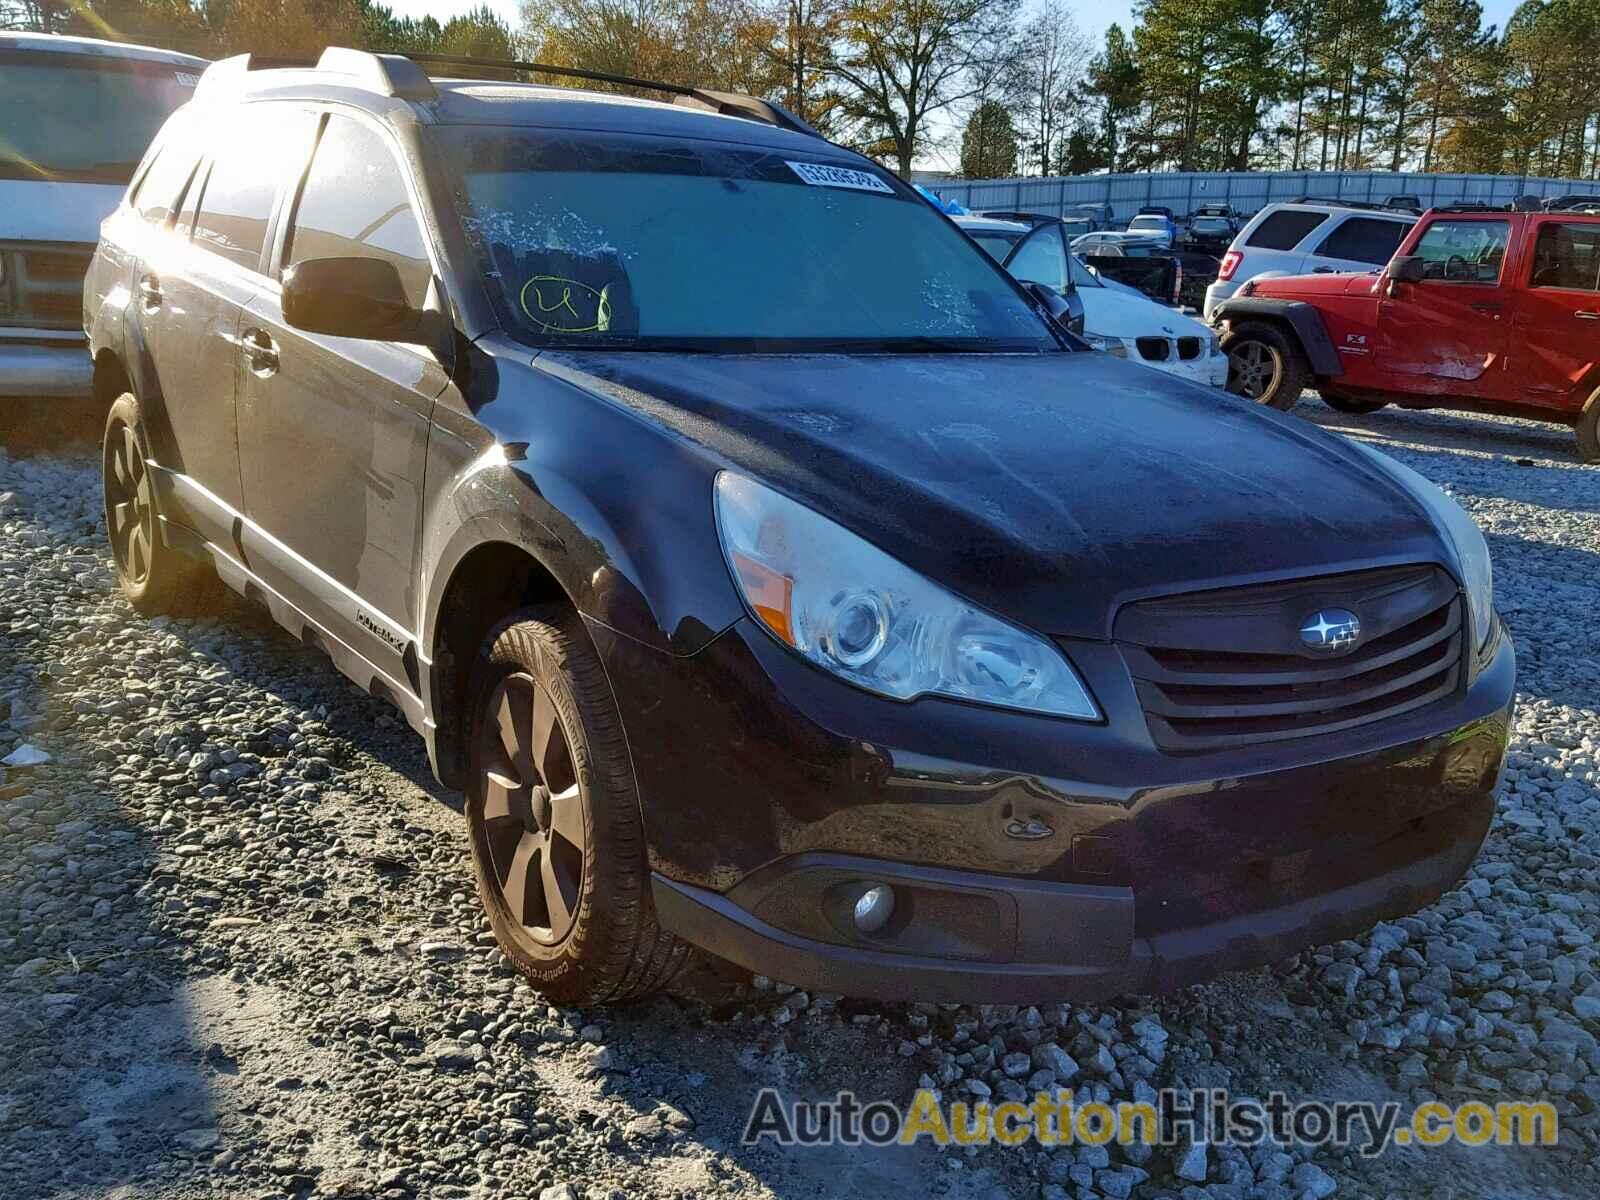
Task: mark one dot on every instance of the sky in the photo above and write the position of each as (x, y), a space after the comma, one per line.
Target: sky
(1093, 17)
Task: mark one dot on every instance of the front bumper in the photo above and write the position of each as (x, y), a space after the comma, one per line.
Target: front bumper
(1216, 294)
(50, 364)
(1036, 858)
(1211, 370)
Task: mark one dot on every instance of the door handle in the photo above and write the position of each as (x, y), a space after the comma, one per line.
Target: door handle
(1585, 315)
(149, 292)
(1322, 271)
(260, 350)
(1488, 310)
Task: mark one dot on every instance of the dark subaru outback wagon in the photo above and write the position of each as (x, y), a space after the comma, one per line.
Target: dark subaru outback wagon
(773, 573)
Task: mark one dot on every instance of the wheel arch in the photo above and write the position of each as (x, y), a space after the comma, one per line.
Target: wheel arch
(1300, 321)
(488, 581)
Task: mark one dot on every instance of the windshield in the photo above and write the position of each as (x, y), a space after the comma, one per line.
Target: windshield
(1148, 223)
(82, 118)
(1209, 224)
(649, 243)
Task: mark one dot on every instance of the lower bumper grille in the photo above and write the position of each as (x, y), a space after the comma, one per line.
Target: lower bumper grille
(1229, 668)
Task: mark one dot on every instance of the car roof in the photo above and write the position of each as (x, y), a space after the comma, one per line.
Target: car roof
(1381, 214)
(61, 44)
(480, 102)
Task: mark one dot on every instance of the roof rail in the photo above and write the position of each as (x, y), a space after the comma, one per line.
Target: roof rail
(386, 74)
(1337, 202)
(731, 104)
(403, 76)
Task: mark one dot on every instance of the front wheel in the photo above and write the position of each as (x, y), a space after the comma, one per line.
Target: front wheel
(553, 815)
(1264, 365)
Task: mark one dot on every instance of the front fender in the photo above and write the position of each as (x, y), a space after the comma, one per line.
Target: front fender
(615, 507)
(1302, 318)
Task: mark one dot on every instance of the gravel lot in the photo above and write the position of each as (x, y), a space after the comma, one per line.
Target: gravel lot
(241, 956)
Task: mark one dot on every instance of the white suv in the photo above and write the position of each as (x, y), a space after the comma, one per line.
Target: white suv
(1311, 237)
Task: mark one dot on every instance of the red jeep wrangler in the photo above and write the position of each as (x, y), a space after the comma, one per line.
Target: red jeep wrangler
(1487, 310)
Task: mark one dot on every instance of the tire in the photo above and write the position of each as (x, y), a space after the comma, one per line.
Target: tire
(1349, 404)
(1588, 430)
(553, 818)
(1264, 365)
(154, 577)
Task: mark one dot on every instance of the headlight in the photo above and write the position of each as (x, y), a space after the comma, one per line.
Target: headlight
(1477, 572)
(848, 607)
(1110, 345)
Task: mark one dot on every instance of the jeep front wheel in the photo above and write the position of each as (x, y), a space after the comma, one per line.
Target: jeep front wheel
(1265, 366)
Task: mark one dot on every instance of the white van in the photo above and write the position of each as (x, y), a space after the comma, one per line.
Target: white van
(76, 116)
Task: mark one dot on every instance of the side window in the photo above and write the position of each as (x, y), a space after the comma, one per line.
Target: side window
(1284, 229)
(256, 146)
(1464, 251)
(355, 205)
(1364, 239)
(161, 190)
(1567, 256)
(1041, 258)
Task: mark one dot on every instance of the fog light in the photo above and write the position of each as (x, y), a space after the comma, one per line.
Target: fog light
(874, 908)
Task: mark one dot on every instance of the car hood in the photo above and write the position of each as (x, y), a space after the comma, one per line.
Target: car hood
(1049, 488)
(48, 211)
(1309, 287)
(1110, 312)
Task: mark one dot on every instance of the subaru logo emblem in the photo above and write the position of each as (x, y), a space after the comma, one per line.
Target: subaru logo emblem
(1331, 631)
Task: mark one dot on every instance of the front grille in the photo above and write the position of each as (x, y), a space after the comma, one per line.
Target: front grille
(1152, 349)
(1189, 347)
(41, 284)
(1228, 668)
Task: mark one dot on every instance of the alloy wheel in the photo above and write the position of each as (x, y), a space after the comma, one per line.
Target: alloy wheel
(1252, 370)
(130, 505)
(533, 820)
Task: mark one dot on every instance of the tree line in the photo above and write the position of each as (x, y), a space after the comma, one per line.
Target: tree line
(1190, 85)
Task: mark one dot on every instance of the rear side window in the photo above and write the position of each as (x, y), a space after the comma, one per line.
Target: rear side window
(1284, 229)
(1364, 239)
(161, 190)
(355, 205)
(1568, 256)
(256, 149)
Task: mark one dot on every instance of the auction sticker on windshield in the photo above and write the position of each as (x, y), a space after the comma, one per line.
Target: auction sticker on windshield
(818, 175)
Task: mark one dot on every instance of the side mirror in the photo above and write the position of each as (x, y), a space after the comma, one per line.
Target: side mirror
(1064, 308)
(351, 297)
(1409, 269)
